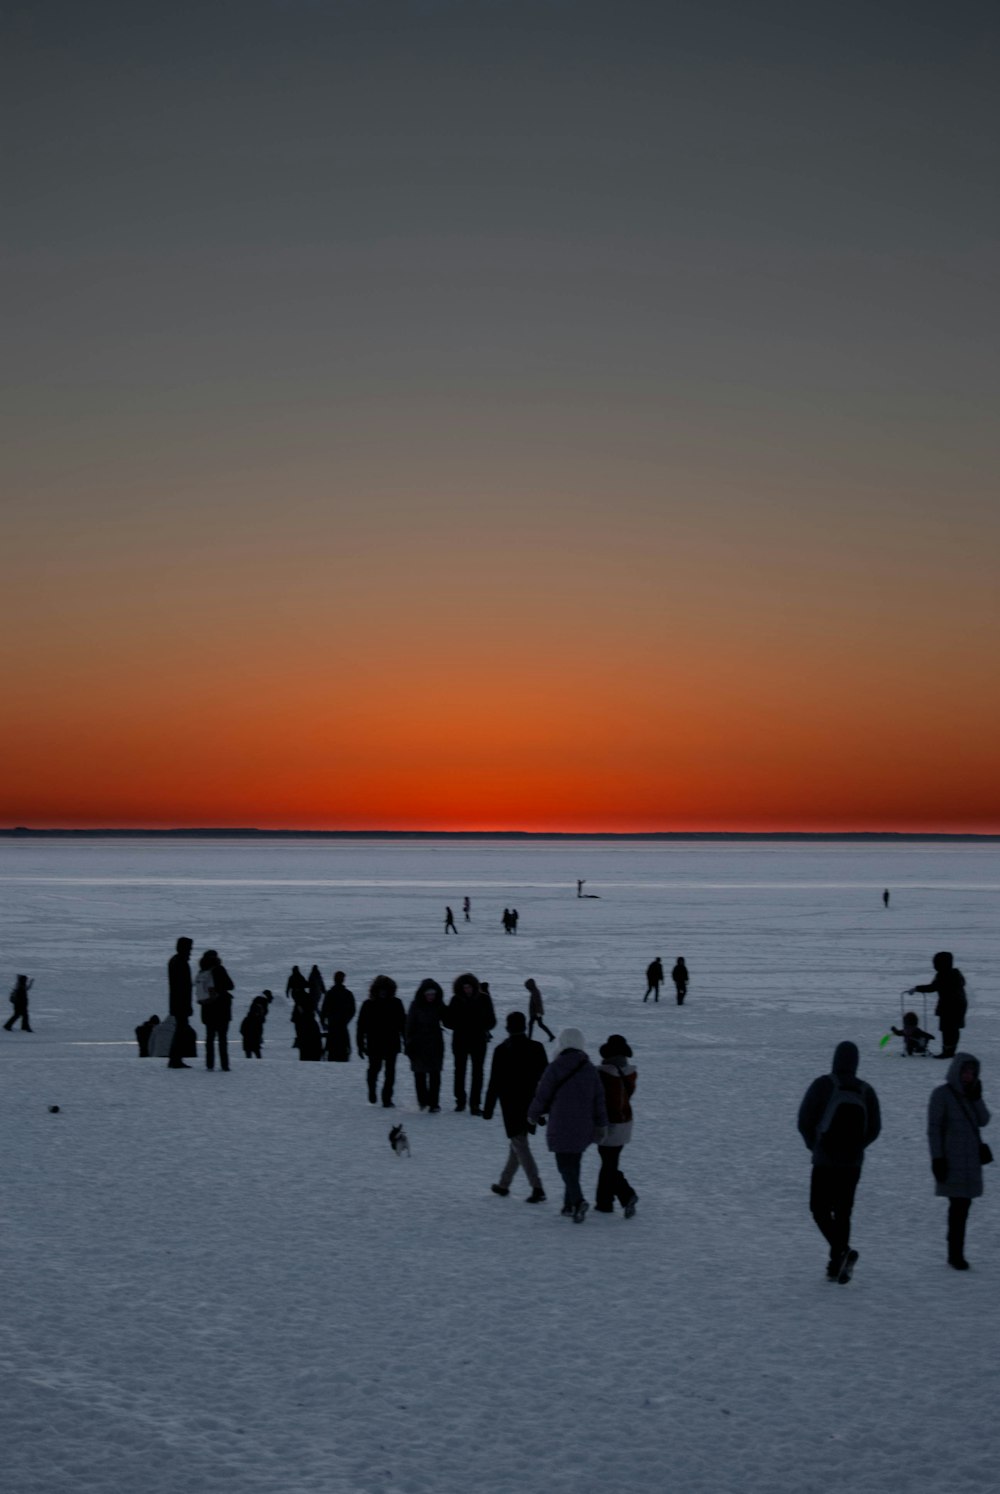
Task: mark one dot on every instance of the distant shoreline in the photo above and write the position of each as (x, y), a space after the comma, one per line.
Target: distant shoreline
(880, 837)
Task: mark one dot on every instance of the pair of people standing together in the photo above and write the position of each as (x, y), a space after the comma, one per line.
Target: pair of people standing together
(213, 987)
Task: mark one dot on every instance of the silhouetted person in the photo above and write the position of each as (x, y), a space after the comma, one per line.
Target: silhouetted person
(514, 916)
(144, 1032)
(19, 1001)
(954, 1116)
(952, 1004)
(579, 886)
(338, 1012)
(308, 1038)
(216, 1007)
(518, 1064)
(296, 987)
(654, 979)
(885, 898)
(915, 1039)
(679, 976)
(471, 1017)
(252, 1026)
(838, 1118)
(179, 983)
(425, 1043)
(618, 1077)
(317, 988)
(467, 909)
(449, 921)
(536, 1010)
(505, 920)
(380, 1030)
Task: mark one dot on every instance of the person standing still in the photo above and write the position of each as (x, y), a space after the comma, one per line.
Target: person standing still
(952, 1003)
(680, 977)
(838, 1119)
(179, 984)
(954, 1115)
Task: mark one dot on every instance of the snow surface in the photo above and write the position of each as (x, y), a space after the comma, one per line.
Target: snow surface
(230, 1282)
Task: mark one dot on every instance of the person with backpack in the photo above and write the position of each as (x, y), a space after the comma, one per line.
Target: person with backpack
(838, 1119)
(571, 1094)
(958, 1153)
(952, 1004)
(618, 1077)
(214, 991)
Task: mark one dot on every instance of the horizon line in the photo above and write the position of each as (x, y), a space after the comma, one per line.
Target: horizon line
(233, 832)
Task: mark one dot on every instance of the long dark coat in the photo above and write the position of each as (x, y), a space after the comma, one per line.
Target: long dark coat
(953, 1122)
(424, 1038)
(518, 1064)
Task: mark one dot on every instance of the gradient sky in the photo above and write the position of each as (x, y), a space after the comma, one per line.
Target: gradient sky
(499, 415)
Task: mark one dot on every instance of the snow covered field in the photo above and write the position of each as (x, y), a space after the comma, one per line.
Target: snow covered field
(229, 1281)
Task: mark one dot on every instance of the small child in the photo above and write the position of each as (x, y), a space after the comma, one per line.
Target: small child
(915, 1040)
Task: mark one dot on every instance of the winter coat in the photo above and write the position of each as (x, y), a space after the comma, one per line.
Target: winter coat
(339, 1006)
(424, 1038)
(381, 1025)
(308, 1039)
(654, 973)
(618, 1078)
(952, 1003)
(953, 1122)
(518, 1064)
(470, 1016)
(179, 984)
(570, 1092)
(219, 1011)
(811, 1111)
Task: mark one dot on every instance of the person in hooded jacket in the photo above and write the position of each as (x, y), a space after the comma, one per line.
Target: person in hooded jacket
(296, 986)
(380, 1030)
(654, 979)
(952, 1004)
(571, 1094)
(955, 1113)
(518, 1064)
(217, 1010)
(618, 1078)
(425, 1043)
(252, 1026)
(317, 988)
(837, 1142)
(471, 1017)
(338, 1010)
(680, 977)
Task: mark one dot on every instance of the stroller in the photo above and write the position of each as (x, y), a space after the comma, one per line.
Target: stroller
(916, 1041)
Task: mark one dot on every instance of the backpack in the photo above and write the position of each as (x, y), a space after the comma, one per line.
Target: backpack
(203, 988)
(844, 1124)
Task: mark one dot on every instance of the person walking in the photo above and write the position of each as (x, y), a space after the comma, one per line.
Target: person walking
(618, 1077)
(571, 1094)
(536, 1010)
(19, 1003)
(296, 986)
(952, 1003)
(467, 909)
(449, 921)
(252, 1026)
(214, 990)
(471, 1018)
(317, 989)
(425, 1043)
(839, 1118)
(654, 979)
(680, 977)
(183, 1043)
(380, 1030)
(885, 898)
(518, 1064)
(955, 1113)
(338, 1011)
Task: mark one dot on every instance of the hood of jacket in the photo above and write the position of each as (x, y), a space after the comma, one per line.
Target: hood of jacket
(845, 1061)
(955, 1068)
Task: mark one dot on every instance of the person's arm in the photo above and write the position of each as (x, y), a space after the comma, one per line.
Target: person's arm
(492, 1087)
(543, 1095)
(812, 1107)
(874, 1114)
(936, 1128)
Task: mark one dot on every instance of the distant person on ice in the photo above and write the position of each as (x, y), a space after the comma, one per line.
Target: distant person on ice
(571, 1094)
(654, 979)
(952, 1004)
(680, 977)
(471, 1017)
(838, 1118)
(296, 986)
(337, 1014)
(252, 1026)
(144, 1032)
(380, 1031)
(579, 886)
(183, 1044)
(425, 1043)
(536, 1010)
(449, 921)
(954, 1115)
(19, 1001)
(518, 1065)
(467, 909)
(885, 898)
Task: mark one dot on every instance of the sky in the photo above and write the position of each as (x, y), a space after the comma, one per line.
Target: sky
(483, 415)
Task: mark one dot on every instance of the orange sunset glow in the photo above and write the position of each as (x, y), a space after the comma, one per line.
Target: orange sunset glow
(574, 436)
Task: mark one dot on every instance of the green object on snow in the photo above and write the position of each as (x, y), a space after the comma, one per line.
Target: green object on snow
(887, 1039)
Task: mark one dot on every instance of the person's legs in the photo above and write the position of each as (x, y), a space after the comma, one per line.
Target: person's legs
(374, 1065)
(949, 1041)
(434, 1090)
(510, 1167)
(607, 1179)
(210, 1047)
(178, 1044)
(388, 1084)
(521, 1149)
(461, 1059)
(831, 1200)
(958, 1214)
(477, 1057)
(420, 1085)
(568, 1164)
(223, 1033)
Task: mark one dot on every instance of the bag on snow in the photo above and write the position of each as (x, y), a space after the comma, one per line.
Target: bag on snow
(844, 1125)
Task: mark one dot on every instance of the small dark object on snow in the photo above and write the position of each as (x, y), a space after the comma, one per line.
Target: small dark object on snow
(53, 1109)
(399, 1141)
